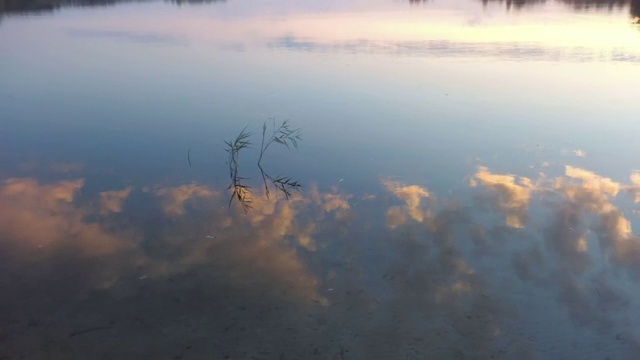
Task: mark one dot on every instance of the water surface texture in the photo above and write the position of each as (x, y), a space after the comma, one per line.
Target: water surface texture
(456, 179)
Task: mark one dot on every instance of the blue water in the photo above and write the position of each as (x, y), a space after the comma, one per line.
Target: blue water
(468, 171)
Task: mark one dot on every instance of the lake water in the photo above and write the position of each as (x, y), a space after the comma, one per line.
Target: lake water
(468, 171)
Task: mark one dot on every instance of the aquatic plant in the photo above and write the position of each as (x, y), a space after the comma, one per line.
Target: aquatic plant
(288, 137)
(239, 191)
(282, 134)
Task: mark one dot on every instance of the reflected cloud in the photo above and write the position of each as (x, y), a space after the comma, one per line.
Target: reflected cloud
(634, 187)
(113, 201)
(524, 51)
(565, 238)
(412, 195)
(564, 265)
(128, 36)
(593, 182)
(174, 199)
(571, 262)
(306, 265)
(58, 246)
(253, 248)
(594, 194)
(434, 283)
(615, 232)
(580, 153)
(581, 193)
(34, 215)
(396, 216)
(513, 194)
(332, 202)
(369, 33)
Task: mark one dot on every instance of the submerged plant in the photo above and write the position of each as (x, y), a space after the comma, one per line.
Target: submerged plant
(240, 191)
(282, 134)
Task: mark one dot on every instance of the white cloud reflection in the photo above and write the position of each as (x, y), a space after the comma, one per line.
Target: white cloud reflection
(513, 194)
(412, 195)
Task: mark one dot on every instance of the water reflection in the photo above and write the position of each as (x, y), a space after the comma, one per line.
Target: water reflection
(181, 2)
(39, 6)
(597, 4)
(282, 134)
(579, 5)
(36, 6)
(127, 36)
(447, 48)
(318, 275)
(576, 5)
(415, 254)
(517, 4)
(634, 8)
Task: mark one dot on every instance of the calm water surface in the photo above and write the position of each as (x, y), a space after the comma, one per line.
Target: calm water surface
(470, 181)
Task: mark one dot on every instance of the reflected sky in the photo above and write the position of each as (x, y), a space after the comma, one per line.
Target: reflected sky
(470, 187)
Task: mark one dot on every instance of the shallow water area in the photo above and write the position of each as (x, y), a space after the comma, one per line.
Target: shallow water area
(439, 179)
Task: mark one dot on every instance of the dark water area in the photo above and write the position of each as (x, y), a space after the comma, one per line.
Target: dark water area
(454, 180)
